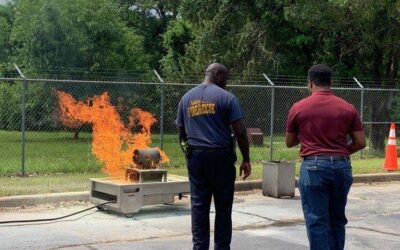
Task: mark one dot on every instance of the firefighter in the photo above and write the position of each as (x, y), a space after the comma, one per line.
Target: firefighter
(206, 116)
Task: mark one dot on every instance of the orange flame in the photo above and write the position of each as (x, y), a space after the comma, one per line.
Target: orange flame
(113, 143)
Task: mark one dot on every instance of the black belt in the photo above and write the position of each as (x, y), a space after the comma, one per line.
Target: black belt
(326, 157)
(209, 149)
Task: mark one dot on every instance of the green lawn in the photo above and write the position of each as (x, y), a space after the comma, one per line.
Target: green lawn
(46, 153)
(60, 163)
(58, 152)
(46, 184)
(80, 181)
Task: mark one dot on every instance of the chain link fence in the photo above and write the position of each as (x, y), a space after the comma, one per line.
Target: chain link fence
(33, 138)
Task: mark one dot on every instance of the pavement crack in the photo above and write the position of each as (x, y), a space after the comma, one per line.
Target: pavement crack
(147, 225)
(90, 244)
(374, 230)
(91, 247)
(276, 223)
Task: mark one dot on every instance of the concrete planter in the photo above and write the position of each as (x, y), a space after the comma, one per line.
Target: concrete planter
(278, 179)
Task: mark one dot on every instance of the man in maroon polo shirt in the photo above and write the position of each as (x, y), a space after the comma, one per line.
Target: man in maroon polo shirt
(321, 124)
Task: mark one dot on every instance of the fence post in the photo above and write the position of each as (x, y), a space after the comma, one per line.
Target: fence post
(23, 119)
(161, 109)
(271, 126)
(362, 106)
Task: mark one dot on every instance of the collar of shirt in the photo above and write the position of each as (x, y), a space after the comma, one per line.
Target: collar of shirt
(323, 92)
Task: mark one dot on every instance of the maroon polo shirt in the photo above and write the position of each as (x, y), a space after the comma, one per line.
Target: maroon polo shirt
(322, 121)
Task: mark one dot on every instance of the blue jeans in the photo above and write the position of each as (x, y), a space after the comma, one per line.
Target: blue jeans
(324, 185)
(211, 174)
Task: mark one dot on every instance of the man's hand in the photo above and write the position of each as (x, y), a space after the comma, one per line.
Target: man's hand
(358, 141)
(245, 170)
(241, 136)
(292, 140)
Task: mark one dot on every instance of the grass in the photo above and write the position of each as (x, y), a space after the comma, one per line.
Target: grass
(80, 181)
(46, 184)
(360, 166)
(58, 152)
(46, 153)
(60, 163)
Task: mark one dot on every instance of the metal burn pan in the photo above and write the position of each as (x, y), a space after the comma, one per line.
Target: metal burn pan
(146, 175)
(131, 197)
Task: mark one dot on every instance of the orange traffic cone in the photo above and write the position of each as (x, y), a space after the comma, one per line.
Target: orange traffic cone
(391, 151)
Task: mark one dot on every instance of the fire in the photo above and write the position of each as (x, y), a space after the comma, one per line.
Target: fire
(113, 142)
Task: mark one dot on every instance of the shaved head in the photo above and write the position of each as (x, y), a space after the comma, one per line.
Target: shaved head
(217, 73)
(216, 68)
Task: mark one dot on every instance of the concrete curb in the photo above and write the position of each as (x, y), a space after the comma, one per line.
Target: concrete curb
(247, 185)
(32, 200)
(240, 186)
(369, 178)
(361, 178)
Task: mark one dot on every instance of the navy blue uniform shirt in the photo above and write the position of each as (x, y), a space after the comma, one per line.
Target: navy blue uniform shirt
(206, 112)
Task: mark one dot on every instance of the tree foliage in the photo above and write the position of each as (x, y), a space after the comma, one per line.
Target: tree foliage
(181, 37)
(75, 33)
(6, 22)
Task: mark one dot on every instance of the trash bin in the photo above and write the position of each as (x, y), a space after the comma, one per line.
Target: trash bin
(255, 136)
(278, 179)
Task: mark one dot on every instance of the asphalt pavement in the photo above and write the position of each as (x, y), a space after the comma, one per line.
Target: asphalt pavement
(259, 223)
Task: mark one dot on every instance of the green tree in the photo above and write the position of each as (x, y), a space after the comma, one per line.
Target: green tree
(176, 38)
(86, 36)
(359, 37)
(75, 33)
(250, 37)
(150, 19)
(6, 21)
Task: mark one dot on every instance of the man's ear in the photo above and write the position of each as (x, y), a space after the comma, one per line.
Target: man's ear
(220, 79)
(310, 84)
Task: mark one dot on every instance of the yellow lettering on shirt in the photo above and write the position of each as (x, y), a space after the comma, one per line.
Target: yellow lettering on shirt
(198, 107)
